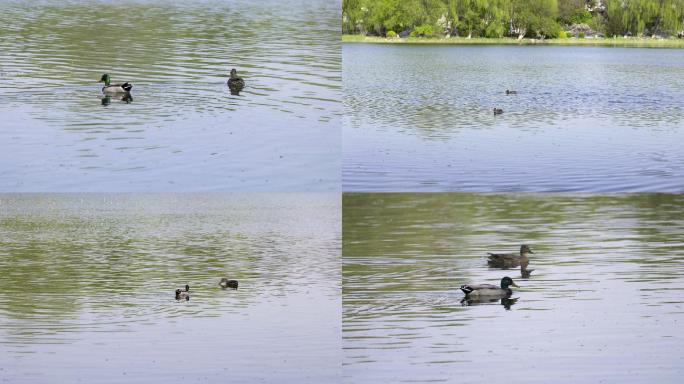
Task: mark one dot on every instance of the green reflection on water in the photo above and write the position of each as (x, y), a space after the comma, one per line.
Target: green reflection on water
(609, 272)
(122, 256)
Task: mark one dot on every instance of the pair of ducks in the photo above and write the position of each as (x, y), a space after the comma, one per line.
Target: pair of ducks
(224, 283)
(504, 261)
(498, 111)
(235, 84)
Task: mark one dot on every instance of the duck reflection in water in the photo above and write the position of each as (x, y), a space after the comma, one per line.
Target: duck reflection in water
(125, 97)
(506, 302)
(525, 273)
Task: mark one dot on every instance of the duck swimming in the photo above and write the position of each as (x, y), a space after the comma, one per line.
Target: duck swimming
(114, 88)
(498, 111)
(510, 260)
(225, 283)
(476, 291)
(511, 92)
(235, 83)
(183, 295)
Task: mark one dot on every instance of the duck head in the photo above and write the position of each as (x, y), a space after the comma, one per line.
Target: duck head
(105, 79)
(506, 282)
(525, 249)
(233, 73)
(187, 288)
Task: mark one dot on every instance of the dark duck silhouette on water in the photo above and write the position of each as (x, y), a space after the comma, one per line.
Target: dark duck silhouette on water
(235, 83)
(226, 283)
(509, 92)
(510, 260)
(183, 295)
(498, 111)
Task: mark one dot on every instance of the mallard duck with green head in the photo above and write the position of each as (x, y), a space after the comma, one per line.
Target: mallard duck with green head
(235, 83)
(477, 291)
(227, 283)
(114, 88)
(510, 260)
(183, 295)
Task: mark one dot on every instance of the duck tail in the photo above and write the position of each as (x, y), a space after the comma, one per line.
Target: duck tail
(466, 289)
(127, 87)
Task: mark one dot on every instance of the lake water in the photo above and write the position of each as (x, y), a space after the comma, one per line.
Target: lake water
(604, 303)
(183, 131)
(88, 281)
(419, 118)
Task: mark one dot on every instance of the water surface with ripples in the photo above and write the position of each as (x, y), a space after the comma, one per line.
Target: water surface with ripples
(182, 130)
(420, 118)
(604, 302)
(88, 281)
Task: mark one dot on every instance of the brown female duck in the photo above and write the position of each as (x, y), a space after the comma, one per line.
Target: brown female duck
(510, 260)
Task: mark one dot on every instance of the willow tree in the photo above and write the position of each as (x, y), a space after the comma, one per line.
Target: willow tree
(534, 17)
(428, 11)
(481, 17)
(638, 14)
(613, 22)
(669, 17)
(385, 15)
(573, 11)
(352, 15)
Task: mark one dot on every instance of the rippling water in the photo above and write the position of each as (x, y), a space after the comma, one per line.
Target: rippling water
(182, 130)
(87, 288)
(604, 302)
(419, 118)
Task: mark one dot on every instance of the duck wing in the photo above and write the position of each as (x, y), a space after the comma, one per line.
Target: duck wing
(502, 255)
(502, 258)
(118, 87)
(126, 86)
(469, 288)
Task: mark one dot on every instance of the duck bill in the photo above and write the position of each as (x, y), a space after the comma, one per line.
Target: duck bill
(515, 285)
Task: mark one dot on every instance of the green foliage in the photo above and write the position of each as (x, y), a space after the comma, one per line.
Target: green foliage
(581, 35)
(423, 30)
(568, 8)
(562, 35)
(498, 18)
(581, 16)
(391, 34)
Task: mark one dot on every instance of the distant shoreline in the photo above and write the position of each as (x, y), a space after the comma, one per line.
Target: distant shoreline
(591, 42)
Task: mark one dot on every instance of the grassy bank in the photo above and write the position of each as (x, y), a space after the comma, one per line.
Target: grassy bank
(596, 42)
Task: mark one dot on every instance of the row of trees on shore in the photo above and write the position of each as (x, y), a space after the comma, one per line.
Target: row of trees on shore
(516, 18)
